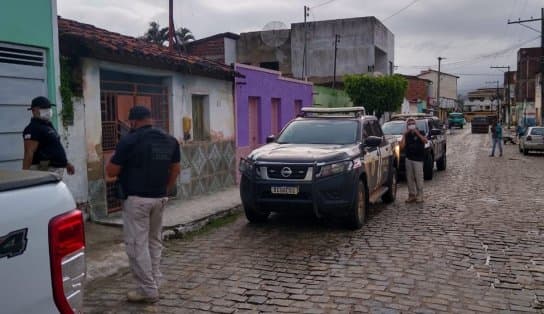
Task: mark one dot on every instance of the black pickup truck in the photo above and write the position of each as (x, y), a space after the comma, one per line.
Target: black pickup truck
(332, 161)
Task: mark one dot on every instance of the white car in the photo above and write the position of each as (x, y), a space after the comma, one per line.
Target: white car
(531, 140)
(42, 245)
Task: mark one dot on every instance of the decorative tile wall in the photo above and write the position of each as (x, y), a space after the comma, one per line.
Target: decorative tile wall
(207, 167)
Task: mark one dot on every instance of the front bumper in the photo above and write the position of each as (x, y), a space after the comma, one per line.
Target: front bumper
(332, 195)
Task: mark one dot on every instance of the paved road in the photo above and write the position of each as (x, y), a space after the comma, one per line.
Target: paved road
(476, 245)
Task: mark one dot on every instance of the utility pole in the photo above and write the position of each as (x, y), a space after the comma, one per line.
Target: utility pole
(304, 61)
(171, 25)
(541, 19)
(438, 86)
(498, 98)
(507, 90)
(336, 41)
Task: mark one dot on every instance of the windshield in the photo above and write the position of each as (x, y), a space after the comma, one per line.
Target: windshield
(456, 115)
(398, 128)
(339, 132)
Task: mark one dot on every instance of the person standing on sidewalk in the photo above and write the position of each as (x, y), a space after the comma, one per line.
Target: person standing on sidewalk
(413, 143)
(43, 150)
(147, 164)
(496, 135)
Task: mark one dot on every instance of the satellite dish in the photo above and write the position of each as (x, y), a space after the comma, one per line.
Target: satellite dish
(274, 34)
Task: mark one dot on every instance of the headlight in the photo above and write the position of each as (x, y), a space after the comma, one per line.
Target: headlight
(397, 150)
(246, 166)
(332, 169)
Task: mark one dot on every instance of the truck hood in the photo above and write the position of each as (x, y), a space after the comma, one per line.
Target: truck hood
(274, 152)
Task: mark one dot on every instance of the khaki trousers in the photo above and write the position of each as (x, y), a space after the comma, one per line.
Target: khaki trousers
(142, 227)
(414, 178)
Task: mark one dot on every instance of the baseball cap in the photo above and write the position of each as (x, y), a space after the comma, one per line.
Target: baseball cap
(139, 113)
(40, 102)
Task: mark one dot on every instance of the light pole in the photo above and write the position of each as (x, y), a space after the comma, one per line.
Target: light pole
(507, 92)
(438, 87)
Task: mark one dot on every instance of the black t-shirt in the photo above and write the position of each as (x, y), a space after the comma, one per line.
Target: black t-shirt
(415, 148)
(145, 156)
(49, 146)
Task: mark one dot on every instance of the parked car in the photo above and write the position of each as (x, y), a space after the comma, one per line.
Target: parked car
(531, 140)
(479, 124)
(331, 161)
(42, 245)
(456, 119)
(435, 149)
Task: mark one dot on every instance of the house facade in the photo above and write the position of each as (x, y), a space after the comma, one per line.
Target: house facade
(190, 98)
(448, 91)
(265, 102)
(417, 94)
(29, 67)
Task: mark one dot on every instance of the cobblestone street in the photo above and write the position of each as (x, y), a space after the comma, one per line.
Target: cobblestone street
(476, 245)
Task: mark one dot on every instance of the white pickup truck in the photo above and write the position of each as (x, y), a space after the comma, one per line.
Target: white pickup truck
(42, 245)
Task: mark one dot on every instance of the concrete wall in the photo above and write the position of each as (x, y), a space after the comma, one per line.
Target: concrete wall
(331, 98)
(252, 50)
(359, 38)
(267, 84)
(230, 51)
(448, 84)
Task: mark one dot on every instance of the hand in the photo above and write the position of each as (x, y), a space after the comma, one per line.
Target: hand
(70, 169)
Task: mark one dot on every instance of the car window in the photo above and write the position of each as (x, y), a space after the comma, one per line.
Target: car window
(367, 129)
(422, 126)
(537, 131)
(394, 128)
(339, 132)
(376, 129)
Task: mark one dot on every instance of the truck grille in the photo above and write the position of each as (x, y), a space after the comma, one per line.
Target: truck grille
(287, 172)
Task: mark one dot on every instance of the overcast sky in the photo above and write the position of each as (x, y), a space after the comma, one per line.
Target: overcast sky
(471, 34)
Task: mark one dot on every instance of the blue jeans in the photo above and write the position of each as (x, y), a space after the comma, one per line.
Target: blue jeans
(495, 142)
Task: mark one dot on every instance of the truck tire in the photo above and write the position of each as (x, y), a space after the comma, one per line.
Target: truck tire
(391, 194)
(359, 209)
(255, 215)
(441, 163)
(428, 167)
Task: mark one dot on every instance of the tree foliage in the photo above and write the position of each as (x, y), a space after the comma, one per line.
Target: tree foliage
(377, 94)
(157, 35)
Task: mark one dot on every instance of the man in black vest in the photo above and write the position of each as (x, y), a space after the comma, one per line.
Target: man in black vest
(413, 143)
(147, 164)
(43, 149)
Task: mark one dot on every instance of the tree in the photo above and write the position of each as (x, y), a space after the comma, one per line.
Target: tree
(157, 35)
(377, 94)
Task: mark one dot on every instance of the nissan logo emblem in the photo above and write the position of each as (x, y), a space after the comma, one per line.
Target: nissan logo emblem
(286, 172)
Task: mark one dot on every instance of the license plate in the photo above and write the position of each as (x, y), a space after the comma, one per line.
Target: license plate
(289, 190)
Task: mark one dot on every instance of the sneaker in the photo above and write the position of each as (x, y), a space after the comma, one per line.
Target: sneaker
(410, 199)
(138, 297)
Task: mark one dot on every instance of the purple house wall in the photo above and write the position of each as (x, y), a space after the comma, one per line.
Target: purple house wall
(261, 88)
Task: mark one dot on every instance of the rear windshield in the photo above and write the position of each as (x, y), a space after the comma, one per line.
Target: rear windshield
(338, 132)
(479, 119)
(537, 131)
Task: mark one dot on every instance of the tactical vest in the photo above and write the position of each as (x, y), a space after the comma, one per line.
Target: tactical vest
(147, 170)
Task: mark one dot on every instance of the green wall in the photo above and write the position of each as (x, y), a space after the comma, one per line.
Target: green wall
(30, 22)
(328, 97)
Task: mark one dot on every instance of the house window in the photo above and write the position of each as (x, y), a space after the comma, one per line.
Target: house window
(201, 117)
(270, 65)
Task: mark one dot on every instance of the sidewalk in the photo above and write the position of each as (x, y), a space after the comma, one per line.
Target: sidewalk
(105, 248)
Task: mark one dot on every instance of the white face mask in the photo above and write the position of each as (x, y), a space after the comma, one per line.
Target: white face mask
(411, 127)
(46, 114)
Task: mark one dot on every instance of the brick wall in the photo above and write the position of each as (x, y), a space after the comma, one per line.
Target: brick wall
(417, 89)
(213, 49)
(528, 67)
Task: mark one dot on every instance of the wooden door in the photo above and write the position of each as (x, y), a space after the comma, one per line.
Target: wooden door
(253, 122)
(275, 118)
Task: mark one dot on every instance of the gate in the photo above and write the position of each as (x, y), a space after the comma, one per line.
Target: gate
(116, 100)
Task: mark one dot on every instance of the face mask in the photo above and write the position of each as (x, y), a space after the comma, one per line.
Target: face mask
(46, 114)
(411, 127)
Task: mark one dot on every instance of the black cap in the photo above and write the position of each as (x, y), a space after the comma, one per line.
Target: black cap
(40, 102)
(139, 113)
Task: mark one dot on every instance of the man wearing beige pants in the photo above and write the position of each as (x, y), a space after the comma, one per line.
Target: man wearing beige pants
(146, 162)
(413, 143)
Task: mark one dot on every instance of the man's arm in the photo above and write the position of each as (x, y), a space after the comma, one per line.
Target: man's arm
(403, 141)
(30, 148)
(112, 170)
(173, 173)
(421, 137)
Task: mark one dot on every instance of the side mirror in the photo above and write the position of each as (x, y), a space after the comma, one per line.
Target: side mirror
(270, 139)
(373, 141)
(435, 132)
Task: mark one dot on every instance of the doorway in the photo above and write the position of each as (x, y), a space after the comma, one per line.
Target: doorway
(253, 122)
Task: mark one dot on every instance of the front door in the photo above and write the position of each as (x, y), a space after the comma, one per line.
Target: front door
(371, 159)
(253, 123)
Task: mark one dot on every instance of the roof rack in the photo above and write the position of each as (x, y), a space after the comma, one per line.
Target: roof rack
(355, 111)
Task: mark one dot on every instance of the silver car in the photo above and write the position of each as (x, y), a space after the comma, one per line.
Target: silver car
(532, 139)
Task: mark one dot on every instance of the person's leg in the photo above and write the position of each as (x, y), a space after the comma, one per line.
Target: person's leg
(418, 174)
(499, 140)
(410, 180)
(136, 211)
(155, 238)
(494, 144)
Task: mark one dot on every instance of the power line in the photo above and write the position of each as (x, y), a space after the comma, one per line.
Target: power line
(402, 9)
(322, 4)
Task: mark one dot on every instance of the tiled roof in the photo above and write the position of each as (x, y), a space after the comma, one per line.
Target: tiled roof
(85, 40)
